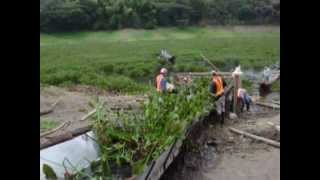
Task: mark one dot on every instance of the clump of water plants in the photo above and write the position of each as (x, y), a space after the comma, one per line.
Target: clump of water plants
(131, 141)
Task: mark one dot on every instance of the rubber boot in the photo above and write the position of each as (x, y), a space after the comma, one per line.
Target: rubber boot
(222, 119)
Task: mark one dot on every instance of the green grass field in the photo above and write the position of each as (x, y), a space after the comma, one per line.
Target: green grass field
(123, 60)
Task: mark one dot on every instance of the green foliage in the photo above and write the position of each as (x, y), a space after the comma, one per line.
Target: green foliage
(137, 139)
(276, 86)
(247, 85)
(47, 124)
(49, 172)
(67, 15)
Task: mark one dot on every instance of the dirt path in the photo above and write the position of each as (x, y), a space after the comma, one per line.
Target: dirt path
(244, 159)
(233, 157)
(76, 102)
(258, 165)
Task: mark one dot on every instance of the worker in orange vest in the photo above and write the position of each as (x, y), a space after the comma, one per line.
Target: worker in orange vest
(161, 81)
(217, 89)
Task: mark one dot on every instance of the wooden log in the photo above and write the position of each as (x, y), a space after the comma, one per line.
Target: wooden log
(269, 105)
(51, 141)
(56, 140)
(276, 102)
(55, 129)
(262, 139)
(81, 130)
(202, 74)
(277, 127)
(91, 112)
(88, 115)
(47, 111)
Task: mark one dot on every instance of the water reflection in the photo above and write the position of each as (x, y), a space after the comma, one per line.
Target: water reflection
(75, 153)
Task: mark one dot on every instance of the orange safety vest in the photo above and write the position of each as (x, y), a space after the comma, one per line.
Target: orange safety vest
(219, 85)
(159, 78)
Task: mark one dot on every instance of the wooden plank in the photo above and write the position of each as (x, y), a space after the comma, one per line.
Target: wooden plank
(50, 110)
(262, 139)
(269, 105)
(51, 141)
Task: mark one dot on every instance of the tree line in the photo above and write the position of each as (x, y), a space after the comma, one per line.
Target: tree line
(71, 15)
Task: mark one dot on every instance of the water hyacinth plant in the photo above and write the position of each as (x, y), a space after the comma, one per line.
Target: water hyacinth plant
(131, 141)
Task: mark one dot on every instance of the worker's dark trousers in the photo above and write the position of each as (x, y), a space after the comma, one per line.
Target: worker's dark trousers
(245, 102)
(222, 118)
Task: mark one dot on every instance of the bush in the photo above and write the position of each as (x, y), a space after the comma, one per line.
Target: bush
(181, 68)
(107, 68)
(119, 69)
(135, 73)
(246, 13)
(121, 84)
(194, 68)
(63, 77)
(64, 16)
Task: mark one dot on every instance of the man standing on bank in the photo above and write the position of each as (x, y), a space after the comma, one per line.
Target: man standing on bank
(217, 89)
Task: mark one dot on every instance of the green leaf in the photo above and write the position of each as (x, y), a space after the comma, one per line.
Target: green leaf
(49, 172)
(139, 166)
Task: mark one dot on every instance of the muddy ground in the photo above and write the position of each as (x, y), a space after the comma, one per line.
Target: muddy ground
(75, 102)
(223, 155)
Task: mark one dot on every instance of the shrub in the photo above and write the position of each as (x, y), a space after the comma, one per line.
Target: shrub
(107, 68)
(62, 77)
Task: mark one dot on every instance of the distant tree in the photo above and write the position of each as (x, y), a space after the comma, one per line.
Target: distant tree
(67, 15)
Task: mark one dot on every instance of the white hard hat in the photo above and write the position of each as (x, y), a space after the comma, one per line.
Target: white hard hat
(237, 71)
(163, 71)
(213, 72)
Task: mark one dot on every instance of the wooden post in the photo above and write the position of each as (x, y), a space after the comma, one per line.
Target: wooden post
(237, 85)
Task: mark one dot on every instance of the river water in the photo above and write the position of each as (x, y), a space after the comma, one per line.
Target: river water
(77, 152)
